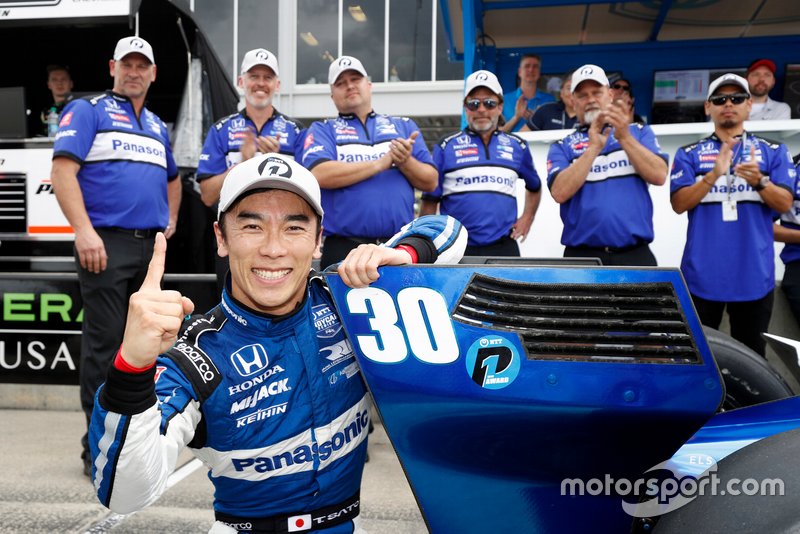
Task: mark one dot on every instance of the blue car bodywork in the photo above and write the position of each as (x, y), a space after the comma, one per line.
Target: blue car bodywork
(498, 384)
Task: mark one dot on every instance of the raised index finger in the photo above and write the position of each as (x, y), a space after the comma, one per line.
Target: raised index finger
(155, 271)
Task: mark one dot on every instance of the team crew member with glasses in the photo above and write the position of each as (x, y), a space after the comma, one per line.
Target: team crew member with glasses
(622, 90)
(478, 172)
(600, 174)
(729, 183)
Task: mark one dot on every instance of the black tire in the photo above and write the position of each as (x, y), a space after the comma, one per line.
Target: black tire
(749, 379)
(768, 459)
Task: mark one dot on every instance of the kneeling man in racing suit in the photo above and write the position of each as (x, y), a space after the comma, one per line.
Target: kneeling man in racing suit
(264, 388)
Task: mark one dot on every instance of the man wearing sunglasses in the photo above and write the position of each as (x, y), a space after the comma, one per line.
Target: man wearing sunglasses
(622, 90)
(730, 183)
(600, 174)
(478, 172)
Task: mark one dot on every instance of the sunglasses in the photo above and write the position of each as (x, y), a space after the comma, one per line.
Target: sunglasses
(736, 99)
(620, 87)
(474, 103)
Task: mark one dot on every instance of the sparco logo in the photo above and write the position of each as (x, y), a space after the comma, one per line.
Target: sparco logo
(250, 359)
(199, 360)
(275, 166)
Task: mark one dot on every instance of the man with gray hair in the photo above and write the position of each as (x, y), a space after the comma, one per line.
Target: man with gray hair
(600, 174)
(258, 128)
(367, 165)
(479, 168)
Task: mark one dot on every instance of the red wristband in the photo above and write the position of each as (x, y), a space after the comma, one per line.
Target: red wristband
(121, 365)
(411, 252)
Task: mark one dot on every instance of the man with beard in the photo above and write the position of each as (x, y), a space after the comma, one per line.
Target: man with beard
(258, 128)
(367, 165)
(730, 183)
(600, 174)
(478, 172)
(761, 80)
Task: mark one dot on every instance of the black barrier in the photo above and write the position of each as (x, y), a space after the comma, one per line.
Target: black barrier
(40, 323)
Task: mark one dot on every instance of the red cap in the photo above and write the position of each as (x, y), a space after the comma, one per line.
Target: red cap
(762, 63)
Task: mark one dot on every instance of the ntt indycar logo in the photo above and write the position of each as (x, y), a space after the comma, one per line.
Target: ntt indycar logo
(307, 453)
(493, 362)
(670, 485)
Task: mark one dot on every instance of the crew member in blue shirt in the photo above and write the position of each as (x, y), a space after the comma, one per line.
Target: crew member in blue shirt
(555, 115)
(730, 183)
(601, 173)
(526, 98)
(478, 172)
(117, 183)
(367, 165)
(788, 231)
(258, 128)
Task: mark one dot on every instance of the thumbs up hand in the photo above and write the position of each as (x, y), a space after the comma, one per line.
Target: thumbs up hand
(154, 315)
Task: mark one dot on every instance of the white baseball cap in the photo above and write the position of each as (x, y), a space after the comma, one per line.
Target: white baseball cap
(342, 64)
(482, 78)
(728, 79)
(259, 56)
(272, 171)
(133, 45)
(588, 72)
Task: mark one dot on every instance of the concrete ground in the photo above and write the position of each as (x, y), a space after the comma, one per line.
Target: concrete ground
(43, 488)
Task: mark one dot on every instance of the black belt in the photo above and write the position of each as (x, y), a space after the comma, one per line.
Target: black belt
(326, 517)
(613, 250)
(139, 233)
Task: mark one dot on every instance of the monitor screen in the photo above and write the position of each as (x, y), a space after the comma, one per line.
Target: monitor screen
(13, 114)
(678, 95)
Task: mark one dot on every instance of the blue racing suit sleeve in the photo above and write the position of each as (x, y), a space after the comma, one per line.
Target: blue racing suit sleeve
(140, 424)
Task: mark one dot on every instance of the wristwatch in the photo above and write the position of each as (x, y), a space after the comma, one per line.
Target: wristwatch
(762, 183)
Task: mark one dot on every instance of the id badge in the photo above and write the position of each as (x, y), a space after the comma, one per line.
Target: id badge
(729, 211)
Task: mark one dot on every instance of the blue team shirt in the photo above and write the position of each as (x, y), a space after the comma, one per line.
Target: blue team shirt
(613, 208)
(380, 205)
(223, 145)
(552, 116)
(125, 161)
(510, 103)
(730, 261)
(791, 219)
(477, 183)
